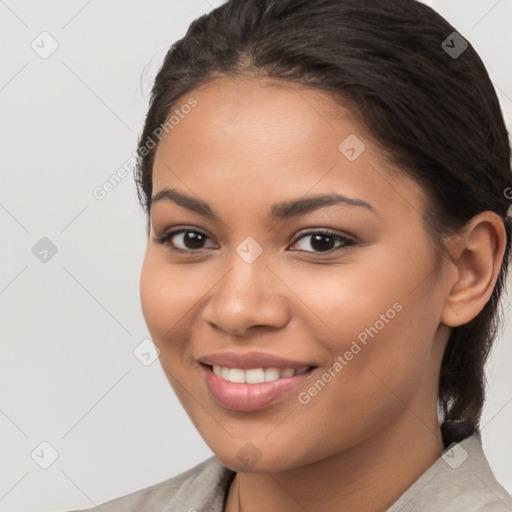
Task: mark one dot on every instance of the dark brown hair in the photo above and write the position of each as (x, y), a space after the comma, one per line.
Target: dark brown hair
(435, 113)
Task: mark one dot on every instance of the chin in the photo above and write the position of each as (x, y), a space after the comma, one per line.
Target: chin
(260, 456)
(263, 465)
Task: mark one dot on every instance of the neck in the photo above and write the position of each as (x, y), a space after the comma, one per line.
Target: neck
(370, 476)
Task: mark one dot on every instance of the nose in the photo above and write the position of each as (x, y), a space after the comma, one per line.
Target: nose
(249, 296)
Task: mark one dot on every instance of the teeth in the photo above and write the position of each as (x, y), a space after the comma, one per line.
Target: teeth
(237, 375)
(271, 374)
(255, 375)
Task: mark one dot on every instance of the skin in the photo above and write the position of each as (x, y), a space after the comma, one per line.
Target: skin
(373, 429)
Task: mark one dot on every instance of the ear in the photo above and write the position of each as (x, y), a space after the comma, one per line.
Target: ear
(477, 253)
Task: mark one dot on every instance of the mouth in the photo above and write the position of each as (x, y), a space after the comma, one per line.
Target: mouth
(255, 375)
(251, 389)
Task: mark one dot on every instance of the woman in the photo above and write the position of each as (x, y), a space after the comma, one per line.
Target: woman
(328, 238)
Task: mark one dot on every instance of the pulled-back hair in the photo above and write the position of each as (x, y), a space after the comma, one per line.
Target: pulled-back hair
(435, 114)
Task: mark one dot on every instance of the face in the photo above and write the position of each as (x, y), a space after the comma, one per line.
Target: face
(282, 250)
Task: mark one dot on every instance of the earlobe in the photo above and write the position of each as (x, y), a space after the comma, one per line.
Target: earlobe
(481, 246)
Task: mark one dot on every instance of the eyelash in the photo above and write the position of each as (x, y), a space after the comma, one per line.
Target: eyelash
(166, 237)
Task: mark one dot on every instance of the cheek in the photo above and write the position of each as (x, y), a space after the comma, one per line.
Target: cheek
(167, 295)
(155, 295)
(379, 315)
(378, 289)
(165, 299)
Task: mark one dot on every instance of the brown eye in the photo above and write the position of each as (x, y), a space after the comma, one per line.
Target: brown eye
(184, 239)
(321, 241)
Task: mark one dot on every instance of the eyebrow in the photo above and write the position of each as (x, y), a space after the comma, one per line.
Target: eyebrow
(279, 211)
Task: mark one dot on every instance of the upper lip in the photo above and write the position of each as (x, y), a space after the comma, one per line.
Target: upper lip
(249, 360)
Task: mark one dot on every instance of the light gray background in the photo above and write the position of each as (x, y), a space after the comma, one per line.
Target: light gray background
(70, 325)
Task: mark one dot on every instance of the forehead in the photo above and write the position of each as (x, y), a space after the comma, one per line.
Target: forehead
(262, 140)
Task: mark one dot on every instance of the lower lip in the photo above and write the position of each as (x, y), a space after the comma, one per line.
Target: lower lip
(249, 397)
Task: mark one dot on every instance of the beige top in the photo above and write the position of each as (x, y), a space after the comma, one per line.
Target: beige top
(461, 480)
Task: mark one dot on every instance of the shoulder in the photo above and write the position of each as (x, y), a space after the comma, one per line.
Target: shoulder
(202, 487)
(460, 480)
(470, 480)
